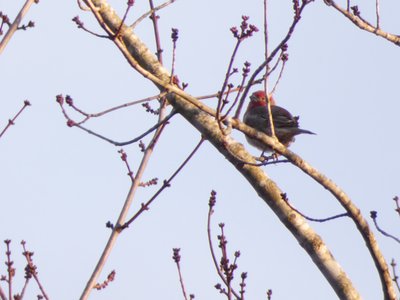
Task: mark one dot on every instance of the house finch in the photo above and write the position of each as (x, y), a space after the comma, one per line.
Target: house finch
(286, 126)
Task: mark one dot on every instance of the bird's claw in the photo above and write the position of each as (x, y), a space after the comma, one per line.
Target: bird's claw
(264, 158)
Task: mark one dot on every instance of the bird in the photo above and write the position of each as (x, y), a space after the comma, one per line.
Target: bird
(286, 126)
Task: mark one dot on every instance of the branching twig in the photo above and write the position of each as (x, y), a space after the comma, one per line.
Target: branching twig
(81, 25)
(232, 90)
(10, 269)
(271, 56)
(246, 31)
(211, 204)
(137, 139)
(283, 58)
(144, 16)
(395, 277)
(166, 183)
(245, 73)
(374, 216)
(32, 269)
(124, 158)
(88, 116)
(71, 123)
(284, 197)
(15, 24)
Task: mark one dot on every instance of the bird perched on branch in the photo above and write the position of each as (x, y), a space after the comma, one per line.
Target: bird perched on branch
(286, 126)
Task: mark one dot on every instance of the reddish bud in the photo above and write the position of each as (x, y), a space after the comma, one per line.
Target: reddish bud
(60, 99)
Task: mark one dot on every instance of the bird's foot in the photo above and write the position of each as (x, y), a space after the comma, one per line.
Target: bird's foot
(265, 159)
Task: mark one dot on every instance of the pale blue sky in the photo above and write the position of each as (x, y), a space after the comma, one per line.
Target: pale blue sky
(60, 185)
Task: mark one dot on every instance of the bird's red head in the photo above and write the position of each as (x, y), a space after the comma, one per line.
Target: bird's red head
(259, 99)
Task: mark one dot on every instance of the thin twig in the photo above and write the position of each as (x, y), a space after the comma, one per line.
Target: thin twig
(81, 25)
(320, 220)
(225, 83)
(136, 139)
(279, 76)
(174, 37)
(269, 111)
(22, 294)
(32, 270)
(242, 285)
(377, 14)
(246, 31)
(10, 269)
(124, 158)
(374, 216)
(271, 70)
(395, 277)
(128, 7)
(82, 6)
(245, 73)
(154, 19)
(211, 205)
(99, 114)
(12, 121)
(177, 258)
(167, 183)
(224, 261)
(2, 294)
(144, 16)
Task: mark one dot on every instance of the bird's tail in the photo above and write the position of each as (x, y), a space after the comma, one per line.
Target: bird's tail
(304, 131)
